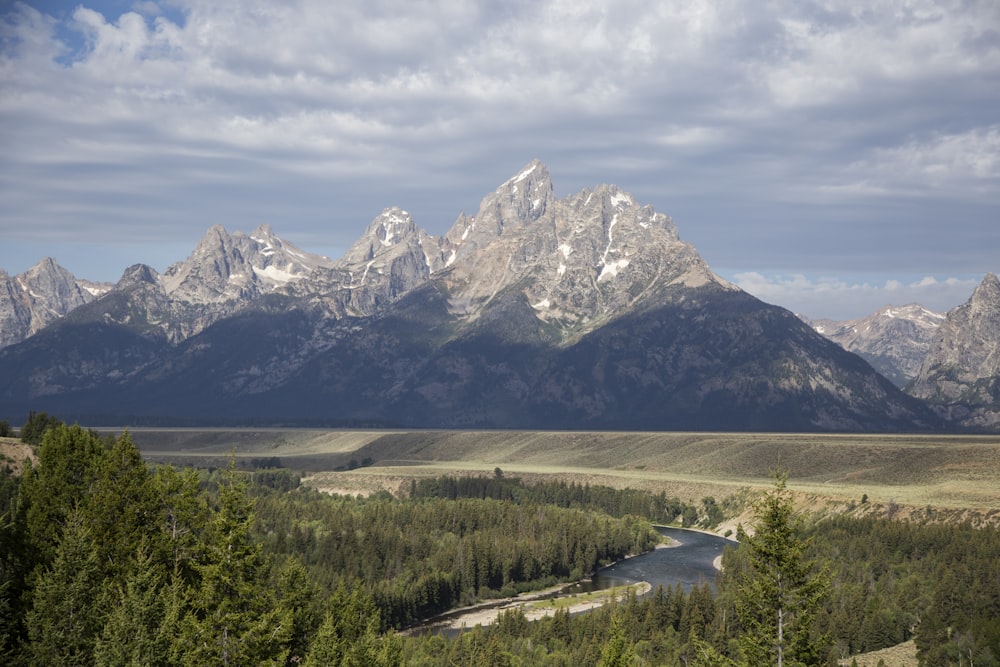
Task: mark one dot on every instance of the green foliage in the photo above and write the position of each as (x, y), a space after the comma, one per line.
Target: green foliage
(614, 502)
(618, 650)
(134, 631)
(36, 426)
(350, 635)
(5, 429)
(67, 604)
(233, 618)
(422, 558)
(105, 561)
(779, 591)
(70, 462)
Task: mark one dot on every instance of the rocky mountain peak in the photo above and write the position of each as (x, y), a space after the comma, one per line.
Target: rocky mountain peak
(391, 227)
(519, 201)
(275, 262)
(237, 267)
(962, 367)
(52, 285)
(586, 311)
(37, 297)
(893, 339)
(137, 274)
(987, 295)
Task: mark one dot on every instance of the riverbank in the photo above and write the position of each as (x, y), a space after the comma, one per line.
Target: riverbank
(534, 606)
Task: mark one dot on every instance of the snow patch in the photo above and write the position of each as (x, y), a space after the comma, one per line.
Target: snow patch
(565, 249)
(611, 227)
(611, 270)
(276, 274)
(561, 270)
(524, 174)
(94, 290)
(621, 200)
(544, 304)
(451, 259)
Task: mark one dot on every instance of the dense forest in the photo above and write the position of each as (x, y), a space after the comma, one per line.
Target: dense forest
(105, 560)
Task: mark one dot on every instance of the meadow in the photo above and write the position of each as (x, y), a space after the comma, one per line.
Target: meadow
(955, 474)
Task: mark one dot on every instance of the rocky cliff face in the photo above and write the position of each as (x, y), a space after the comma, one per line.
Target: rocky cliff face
(961, 372)
(577, 262)
(39, 296)
(894, 339)
(536, 312)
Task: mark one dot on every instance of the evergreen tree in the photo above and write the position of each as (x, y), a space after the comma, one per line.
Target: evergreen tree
(182, 515)
(67, 612)
(33, 430)
(781, 591)
(299, 597)
(121, 510)
(233, 618)
(133, 633)
(618, 651)
(70, 460)
(349, 635)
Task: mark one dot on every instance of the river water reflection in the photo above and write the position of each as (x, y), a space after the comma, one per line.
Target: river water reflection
(690, 564)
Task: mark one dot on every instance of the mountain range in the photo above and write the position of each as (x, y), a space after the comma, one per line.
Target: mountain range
(587, 311)
(894, 339)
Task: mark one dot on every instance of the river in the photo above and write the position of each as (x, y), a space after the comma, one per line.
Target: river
(690, 563)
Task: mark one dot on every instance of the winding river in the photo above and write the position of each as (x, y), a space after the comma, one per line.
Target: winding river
(689, 564)
(690, 561)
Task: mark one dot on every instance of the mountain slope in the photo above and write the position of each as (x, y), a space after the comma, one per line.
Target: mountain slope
(894, 339)
(587, 311)
(961, 373)
(31, 300)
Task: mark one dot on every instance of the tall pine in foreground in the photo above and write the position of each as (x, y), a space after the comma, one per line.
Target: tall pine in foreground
(233, 618)
(781, 592)
(778, 591)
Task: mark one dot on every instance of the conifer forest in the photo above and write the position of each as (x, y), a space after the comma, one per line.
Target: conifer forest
(106, 559)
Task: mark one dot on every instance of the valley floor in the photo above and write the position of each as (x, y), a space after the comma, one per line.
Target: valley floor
(940, 477)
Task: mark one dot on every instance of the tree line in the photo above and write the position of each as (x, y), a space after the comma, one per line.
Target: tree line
(107, 561)
(657, 507)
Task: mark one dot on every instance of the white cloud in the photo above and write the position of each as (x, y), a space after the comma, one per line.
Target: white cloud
(199, 111)
(823, 297)
(967, 162)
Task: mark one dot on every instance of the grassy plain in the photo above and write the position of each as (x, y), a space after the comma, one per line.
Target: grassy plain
(955, 475)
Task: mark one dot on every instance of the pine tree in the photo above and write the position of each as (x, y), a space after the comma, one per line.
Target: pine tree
(132, 634)
(781, 591)
(121, 510)
(618, 652)
(349, 635)
(233, 618)
(69, 463)
(67, 612)
(182, 516)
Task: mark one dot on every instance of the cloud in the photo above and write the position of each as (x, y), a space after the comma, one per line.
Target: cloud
(839, 299)
(778, 137)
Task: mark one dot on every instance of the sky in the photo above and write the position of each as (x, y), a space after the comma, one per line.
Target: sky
(828, 157)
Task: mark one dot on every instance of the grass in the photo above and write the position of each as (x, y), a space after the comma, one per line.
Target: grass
(949, 473)
(901, 655)
(594, 597)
